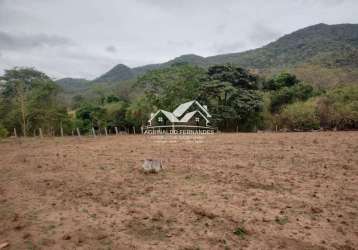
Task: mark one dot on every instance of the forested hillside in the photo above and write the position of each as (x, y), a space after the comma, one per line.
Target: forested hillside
(297, 48)
(324, 55)
(118, 73)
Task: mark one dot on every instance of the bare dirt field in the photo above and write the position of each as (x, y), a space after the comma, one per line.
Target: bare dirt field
(231, 191)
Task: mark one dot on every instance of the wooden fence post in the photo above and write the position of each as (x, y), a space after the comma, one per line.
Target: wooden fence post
(78, 132)
(61, 131)
(116, 129)
(134, 129)
(93, 132)
(105, 131)
(40, 132)
(15, 133)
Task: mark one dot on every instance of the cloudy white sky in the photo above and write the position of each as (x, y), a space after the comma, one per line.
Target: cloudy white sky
(85, 38)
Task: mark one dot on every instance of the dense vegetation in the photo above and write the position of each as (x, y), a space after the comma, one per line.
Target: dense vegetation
(29, 101)
(237, 99)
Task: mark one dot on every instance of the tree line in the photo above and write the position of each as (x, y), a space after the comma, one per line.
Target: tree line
(236, 98)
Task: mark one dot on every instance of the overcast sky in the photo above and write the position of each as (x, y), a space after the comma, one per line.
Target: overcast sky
(85, 38)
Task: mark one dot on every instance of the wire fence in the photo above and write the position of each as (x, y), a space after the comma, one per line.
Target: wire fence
(93, 132)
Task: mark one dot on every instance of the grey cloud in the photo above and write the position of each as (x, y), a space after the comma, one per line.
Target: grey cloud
(111, 49)
(25, 41)
(262, 34)
(229, 47)
(147, 31)
(165, 4)
(332, 2)
(185, 44)
(220, 29)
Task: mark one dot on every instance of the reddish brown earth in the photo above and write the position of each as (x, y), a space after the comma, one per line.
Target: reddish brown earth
(232, 191)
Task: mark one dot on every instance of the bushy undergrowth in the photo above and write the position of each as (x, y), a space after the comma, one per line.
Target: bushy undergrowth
(335, 109)
(300, 116)
(236, 98)
(3, 132)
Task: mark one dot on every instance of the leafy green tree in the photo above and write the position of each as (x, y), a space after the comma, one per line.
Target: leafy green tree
(280, 81)
(238, 77)
(267, 119)
(287, 95)
(138, 112)
(112, 98)
(77, 101)
(229, 92)
(3, 131)
(28, 100)
(18, 84)
(100, 93)
(248, 105)
(43, 108)
(116, 114)
(217, 96)
(91, 115)
(167, 88)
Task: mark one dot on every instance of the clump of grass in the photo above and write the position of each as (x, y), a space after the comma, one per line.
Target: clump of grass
(241, 232)
(281, 220)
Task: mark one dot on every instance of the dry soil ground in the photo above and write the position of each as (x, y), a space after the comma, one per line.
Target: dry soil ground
(231, 191)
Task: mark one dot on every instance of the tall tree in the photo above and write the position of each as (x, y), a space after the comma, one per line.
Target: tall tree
(238, 77)
(230, 92)
(167, 88)
(280, 81)
(29, 100)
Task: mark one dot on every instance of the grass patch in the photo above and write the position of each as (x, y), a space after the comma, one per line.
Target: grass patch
(241, 232)
(281, 220)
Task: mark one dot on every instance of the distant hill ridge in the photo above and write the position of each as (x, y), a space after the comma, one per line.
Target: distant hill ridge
(118, 73)
(317, 47)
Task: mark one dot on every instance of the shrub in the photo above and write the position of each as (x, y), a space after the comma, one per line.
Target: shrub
(267, 120)
(3, 132)
(338, 108)
(287, 95)
(300, 116)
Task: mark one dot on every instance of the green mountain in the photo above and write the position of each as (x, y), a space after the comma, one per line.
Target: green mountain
(323, 55)
(120, 72)
(297, 48)
(320, 54)
(73, 84)
(190, 58)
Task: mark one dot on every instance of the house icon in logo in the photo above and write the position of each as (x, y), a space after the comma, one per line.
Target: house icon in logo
(190, 115)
